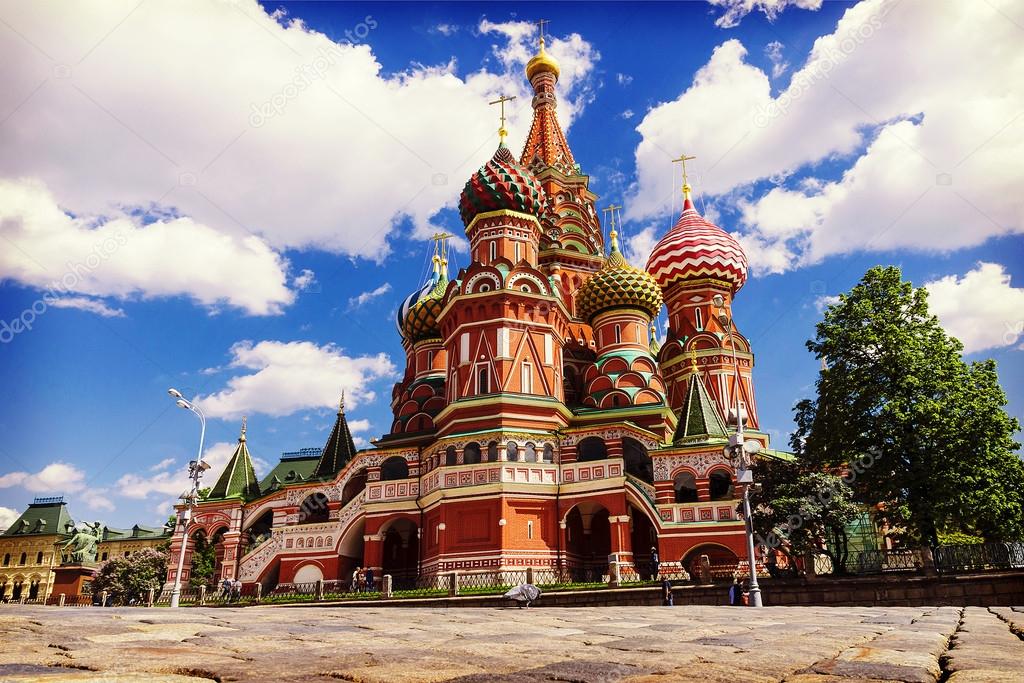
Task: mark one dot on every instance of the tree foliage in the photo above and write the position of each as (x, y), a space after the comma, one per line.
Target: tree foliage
(128, 578)
(798, 511)
(204, 561)
(894, 388)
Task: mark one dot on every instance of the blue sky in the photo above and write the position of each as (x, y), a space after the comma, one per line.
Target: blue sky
(214, 189)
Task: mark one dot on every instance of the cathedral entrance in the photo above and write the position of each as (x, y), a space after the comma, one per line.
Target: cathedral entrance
(588, 542)
(722, 561)
(350, 550)
(401, 553)
(643, 537)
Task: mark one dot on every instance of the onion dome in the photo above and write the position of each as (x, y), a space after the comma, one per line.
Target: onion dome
(618, 285)
(421, 319)
(409, 301)
(542, 62)
(502, 183)
(695, 248)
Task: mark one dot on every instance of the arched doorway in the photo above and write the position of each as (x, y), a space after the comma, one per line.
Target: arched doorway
(393, 468)
(720, 485)
(685, 485)
(637, 461)
(355, 485)
(722, 561)
(643, 536)
(591, 448)
(401, 553)
(588, 542)
(258, 531)
(350, 550)
(314, 509)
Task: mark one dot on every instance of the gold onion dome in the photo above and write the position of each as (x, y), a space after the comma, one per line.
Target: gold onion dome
(421, 318)
(541, 62)
(618, 285)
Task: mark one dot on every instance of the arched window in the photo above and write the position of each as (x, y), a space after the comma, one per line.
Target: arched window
(394, 467)
(24, 558)
(39, 557)
(530, 453)
(314, 509)
(450, 457)
(527, 383)
(618, 334)
(638, 462)
(492, 451)
(517, 252)
(482, 385)
(720, 485)
(698, 319)
(529, 529)
(686, 487)
(512, 451)
(7, 559)
(549, 453)
(471, 453)
(494, 252)
(592, 448)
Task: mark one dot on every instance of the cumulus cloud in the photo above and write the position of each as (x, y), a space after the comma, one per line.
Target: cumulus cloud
(250, 123)
(980, 308)
(174, 481)
(290, 376)
(7, 517)
(773, 51)
(57, 477)
(76, 259)
(364, 297)
(927, 159)
(735, 10)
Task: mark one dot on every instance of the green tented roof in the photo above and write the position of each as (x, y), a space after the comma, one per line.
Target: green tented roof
(339, 448)
(43, 516)
(238, 480)
(291, 470)
(699, 420)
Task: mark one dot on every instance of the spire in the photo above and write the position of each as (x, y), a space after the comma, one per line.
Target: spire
(502, 131)
(238, 480)
(699, 421)
(339, 448)
(546, 142)
(687, 203)
(654, 344)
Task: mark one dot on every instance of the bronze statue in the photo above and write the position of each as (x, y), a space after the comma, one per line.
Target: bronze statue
(84, 544)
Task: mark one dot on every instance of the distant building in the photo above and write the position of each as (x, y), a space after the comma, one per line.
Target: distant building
(539, 422)
(30, 549)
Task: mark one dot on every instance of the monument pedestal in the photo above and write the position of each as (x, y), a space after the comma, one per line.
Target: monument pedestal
(70, 578)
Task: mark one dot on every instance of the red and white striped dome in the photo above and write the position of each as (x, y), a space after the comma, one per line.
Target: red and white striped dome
(695, 248)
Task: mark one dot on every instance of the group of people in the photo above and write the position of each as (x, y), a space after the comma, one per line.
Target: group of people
(230, 589)
(362, 580)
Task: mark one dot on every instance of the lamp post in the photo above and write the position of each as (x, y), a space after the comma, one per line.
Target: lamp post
(195, 472)
(741, 452)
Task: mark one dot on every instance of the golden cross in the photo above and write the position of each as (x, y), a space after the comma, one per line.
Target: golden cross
(686, 183)
(243, 426)
(540, 27)
(502, 100)
(612, 208)
(440, 242)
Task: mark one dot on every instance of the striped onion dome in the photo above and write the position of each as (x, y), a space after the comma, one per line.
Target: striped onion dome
(502, 183)
(409, 301)
(695, 248)
(618, 285)
(421, 319)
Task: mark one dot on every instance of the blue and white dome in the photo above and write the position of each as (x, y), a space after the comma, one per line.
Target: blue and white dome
(412, 299)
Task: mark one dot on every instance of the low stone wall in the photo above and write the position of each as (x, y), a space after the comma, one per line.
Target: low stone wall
(982, 589)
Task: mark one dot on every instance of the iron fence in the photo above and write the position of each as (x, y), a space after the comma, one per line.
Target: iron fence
(951, 559)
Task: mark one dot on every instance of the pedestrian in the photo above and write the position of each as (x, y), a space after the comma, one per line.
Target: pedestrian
(736, 593)
(746, 592)
(225, 588)
(354, 586)
(236, 590)
(666, 593)
(369, 579)
(362, 581)
(655, 564)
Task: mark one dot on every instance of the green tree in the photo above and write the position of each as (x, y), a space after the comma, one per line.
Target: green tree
(798, 511)
(931, 431)
(204, 561)
(129, 578)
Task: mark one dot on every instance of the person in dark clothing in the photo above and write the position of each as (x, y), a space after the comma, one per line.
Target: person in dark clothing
(369, 579)
(655, 564)
(736, 593)
(666, 593)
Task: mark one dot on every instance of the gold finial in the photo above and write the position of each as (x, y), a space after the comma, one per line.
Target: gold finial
(341, 403)
(540, 29)
(502, 132)
(613, 235)
(241, 437)
(693, 360)
(686, 181)
(440, 252)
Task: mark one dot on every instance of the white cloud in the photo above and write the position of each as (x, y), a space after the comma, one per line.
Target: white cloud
(637, 247)
(824, 301)
(773, 51)
(735, 10)
(56, 477)
(623, 79)
(627, 114)
(162, 465)
(445, 30)
(7, 517)
(174, 482)
(293, 376)
(980, 308)
(304, 280)
(356, 426)
(929, 157)
(97, 499)
(117, 256)
(250, 123)
(83, 303)
(364, 297)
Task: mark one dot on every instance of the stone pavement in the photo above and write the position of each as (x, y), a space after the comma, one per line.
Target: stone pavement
(636, 644)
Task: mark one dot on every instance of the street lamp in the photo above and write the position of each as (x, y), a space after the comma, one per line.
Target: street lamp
(741, 452)
(195, 472)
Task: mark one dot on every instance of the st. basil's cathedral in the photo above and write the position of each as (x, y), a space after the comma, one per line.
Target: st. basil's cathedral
(538, 423)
